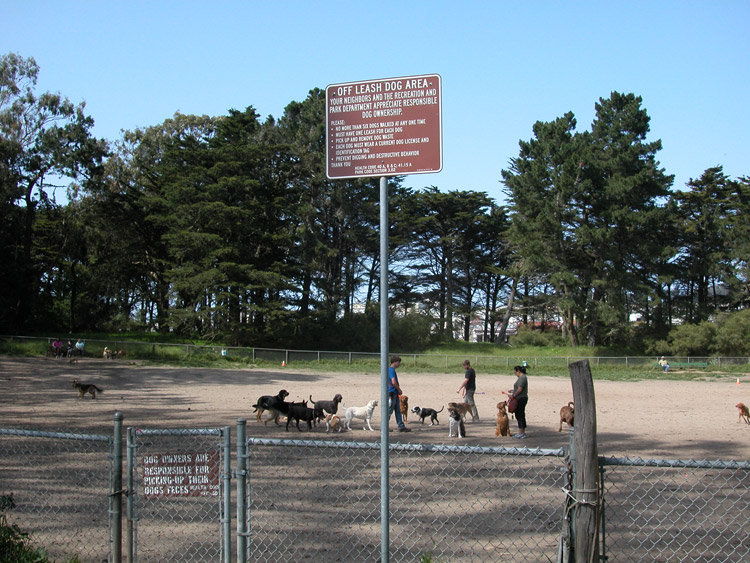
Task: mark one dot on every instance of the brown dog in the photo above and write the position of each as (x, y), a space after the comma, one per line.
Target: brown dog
(404, 400)
(503, 422)
(567, 414)
(744, 413)
(333, 423)
(461, 408)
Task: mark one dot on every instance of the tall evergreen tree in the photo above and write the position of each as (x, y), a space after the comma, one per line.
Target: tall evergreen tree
(43, 138)
(584, 206)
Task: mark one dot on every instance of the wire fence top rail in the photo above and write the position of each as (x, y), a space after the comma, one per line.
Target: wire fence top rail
(55, 435)
(674, 463)
(404, 447)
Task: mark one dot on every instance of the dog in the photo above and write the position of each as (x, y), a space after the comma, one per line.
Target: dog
(269, 402)
(323, 407)
(503, 422)
(567, 414)
(462, 408)
(333, 423)
(404, 402)
(299, 412)
(84, 388)
(107, 353)
(424, 413)
(119, 354)
(365, 413)
(744, 413)
(456, 427)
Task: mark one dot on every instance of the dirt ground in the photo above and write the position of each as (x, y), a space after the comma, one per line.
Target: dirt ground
(648, 419)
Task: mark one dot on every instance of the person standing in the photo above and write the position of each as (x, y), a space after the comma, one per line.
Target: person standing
(394, 392)
(521, 392)
(467, 388)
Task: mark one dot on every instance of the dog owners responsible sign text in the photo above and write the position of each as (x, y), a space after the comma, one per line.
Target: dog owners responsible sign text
(384, 127)
(181, 475)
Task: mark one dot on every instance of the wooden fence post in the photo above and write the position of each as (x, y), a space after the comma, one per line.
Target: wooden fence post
(585, 493)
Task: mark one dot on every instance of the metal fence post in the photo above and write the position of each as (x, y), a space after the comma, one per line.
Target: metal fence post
(115, 495)
(130, 529)
(226, 516)
(242, 532)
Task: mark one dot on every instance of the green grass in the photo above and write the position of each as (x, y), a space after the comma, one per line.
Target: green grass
(487, 359)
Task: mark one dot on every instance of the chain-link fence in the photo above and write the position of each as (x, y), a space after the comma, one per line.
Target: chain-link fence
(179, 495)
(60, 484)
(320, 501)
(681, 510)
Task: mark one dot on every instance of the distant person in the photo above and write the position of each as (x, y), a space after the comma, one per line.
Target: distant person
(467, 388)
(79, 347)
(521, 392)
(664, 363)
(57, 347)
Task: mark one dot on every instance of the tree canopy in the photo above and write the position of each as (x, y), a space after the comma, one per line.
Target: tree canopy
(226, 227)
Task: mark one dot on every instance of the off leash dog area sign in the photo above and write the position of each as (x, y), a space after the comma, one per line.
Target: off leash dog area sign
(384, 127)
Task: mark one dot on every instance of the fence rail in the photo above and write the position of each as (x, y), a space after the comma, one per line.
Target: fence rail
(447, 362)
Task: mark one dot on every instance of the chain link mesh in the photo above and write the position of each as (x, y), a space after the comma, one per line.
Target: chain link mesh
(682, 510)
(60, 485)
(321, 501)
(176, 528)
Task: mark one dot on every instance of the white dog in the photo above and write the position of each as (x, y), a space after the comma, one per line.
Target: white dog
(364, 413)
(456, 427)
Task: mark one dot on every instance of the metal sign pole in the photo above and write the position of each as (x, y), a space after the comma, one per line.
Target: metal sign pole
(384, 364)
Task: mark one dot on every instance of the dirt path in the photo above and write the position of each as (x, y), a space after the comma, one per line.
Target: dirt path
(654, 419)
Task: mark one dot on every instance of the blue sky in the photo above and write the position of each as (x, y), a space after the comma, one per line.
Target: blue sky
(504, 65)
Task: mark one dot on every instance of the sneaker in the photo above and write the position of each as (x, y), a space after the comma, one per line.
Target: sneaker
(404, 429)
(521, 436)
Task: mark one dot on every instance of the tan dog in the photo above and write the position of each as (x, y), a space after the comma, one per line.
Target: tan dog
(333, 424)
(461, 408)
(567, 414)
(503, 422)
(404, 400)
(744, 413)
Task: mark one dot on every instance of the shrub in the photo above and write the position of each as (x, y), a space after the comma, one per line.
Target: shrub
(733, 334)
(15, 543)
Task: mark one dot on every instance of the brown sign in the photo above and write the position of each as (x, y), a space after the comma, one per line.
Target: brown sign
(181, 475)
(384, 127)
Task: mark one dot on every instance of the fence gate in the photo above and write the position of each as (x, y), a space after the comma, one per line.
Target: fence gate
(178, 507)
(320, 501)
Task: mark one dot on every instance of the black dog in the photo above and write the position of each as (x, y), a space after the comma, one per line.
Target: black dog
(300, 411)
(424, 413)
(331, 407)
(270, 403)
